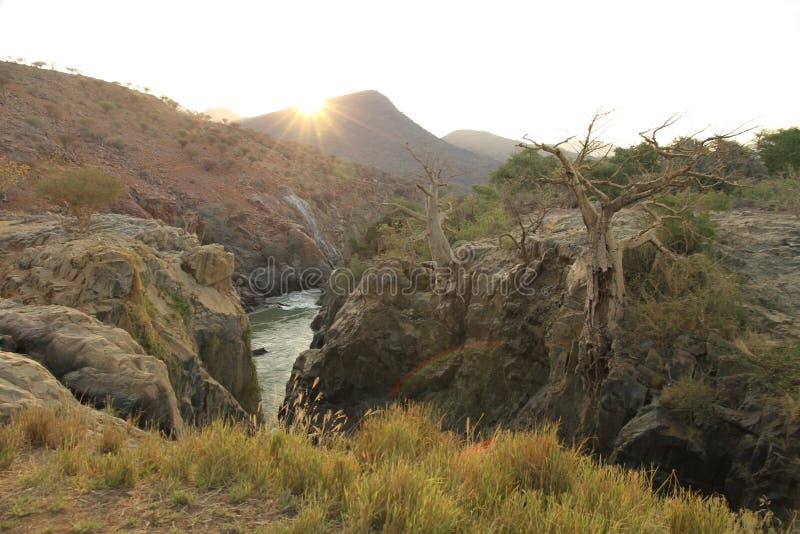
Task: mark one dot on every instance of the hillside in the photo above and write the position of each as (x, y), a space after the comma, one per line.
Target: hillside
(222, 115)
(366, 127)
(259, 197)
(484, 143)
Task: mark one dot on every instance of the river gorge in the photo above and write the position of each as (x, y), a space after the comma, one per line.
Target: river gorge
(282, 327)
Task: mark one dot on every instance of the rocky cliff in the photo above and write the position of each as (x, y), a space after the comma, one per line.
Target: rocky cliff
(143, 307)
(497, 357)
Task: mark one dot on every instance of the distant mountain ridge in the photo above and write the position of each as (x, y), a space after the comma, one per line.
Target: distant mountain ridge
(367, 128)
(484, 143)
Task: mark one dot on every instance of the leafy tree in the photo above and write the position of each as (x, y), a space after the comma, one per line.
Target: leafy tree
(780, 149)
(521, 169)
(83, 191)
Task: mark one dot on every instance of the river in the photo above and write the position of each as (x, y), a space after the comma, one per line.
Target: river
(282, 327)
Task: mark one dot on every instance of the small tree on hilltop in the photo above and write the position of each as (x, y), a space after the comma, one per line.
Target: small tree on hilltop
(659, 169)
(83, 191)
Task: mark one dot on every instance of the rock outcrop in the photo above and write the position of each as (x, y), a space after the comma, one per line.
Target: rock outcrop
(100, 364)
(172, 295)
(496, 345)
(26, 384)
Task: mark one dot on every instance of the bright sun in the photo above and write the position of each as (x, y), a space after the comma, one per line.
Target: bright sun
(311, 106)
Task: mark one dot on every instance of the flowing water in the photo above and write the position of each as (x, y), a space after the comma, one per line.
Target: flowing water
(283, 328)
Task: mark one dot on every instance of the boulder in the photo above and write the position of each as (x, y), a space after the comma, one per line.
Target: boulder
(26, 384)
(98, 363)
(210, 265)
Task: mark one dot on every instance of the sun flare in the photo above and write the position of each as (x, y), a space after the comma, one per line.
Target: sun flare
(311, 106)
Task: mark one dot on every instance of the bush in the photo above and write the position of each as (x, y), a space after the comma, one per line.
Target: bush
(686, 295)
(83, 191)
(688, 397)
(780, 149)
(116, 142)
(779, 194)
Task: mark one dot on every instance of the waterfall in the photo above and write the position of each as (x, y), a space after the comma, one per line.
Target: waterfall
(331, 253)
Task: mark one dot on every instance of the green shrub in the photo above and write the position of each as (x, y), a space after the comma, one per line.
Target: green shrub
(83, 190)
(780, 149)
(521, 169)
(116, 142)
(782, 194)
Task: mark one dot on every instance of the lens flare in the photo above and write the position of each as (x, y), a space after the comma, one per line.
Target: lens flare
(311, 106)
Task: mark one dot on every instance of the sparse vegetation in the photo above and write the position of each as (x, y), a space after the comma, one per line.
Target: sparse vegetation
(11, 174)
(690, 398)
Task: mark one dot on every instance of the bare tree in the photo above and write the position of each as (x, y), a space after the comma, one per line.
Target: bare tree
(528, 210)
(432, 179)
(599, 200)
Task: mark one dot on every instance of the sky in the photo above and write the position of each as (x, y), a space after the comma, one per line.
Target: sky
(509, 67)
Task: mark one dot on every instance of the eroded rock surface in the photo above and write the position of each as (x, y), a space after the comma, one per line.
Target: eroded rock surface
(26, 384)
(156, 282)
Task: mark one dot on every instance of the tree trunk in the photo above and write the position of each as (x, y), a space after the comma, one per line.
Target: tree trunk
(605, 298)
(437, 241)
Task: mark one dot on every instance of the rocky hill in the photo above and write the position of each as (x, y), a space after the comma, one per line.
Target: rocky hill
(259, 197)
(366, 127)
(489, 355)
(484, 143)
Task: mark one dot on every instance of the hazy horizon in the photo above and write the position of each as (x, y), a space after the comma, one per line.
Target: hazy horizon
(510, 68)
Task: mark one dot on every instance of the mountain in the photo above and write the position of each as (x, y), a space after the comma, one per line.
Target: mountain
(367, 128)
(265, 200)
(222, 115)
(484, 143)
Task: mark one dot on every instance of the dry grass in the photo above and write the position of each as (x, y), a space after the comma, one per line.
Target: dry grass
(399, 473)
(690, 294)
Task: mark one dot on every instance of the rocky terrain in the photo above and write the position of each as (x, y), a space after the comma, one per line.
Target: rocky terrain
(259, 197)
(138, 314)
(366, 127)
(490, 357)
